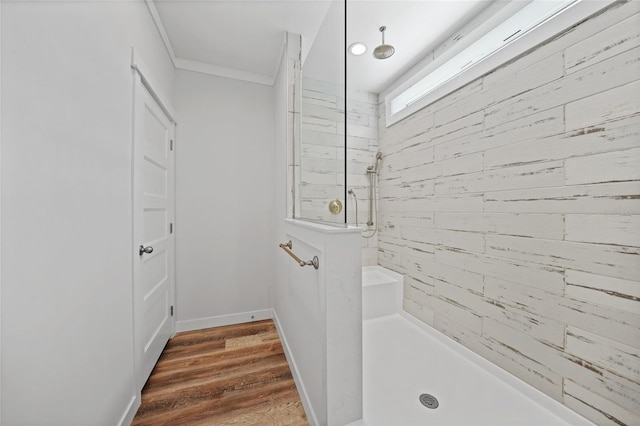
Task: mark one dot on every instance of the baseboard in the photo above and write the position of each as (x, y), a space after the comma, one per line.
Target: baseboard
(221, 320)
(304, 397)
(130, 411)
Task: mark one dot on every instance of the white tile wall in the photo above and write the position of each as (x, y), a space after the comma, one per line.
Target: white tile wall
(512, 208)
(322, 154)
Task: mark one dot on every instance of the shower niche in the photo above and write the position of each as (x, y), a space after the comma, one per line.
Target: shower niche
(319, 145)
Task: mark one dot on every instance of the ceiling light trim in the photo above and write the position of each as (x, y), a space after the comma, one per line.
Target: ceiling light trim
(354, 48)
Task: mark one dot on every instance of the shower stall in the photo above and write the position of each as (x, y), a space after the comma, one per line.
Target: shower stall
(508, 204)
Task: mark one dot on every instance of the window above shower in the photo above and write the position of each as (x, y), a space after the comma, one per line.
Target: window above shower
(507, 33)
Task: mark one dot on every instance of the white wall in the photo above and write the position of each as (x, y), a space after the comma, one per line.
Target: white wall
(511, 208)
(67, 355)
(225, 214)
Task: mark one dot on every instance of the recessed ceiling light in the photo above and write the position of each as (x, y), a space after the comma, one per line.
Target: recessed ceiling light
(357, 48)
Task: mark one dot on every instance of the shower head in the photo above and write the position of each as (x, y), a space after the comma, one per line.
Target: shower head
(373, 168)
(383, 51)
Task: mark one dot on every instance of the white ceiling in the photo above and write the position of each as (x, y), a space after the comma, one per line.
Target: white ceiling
(414, 28)
(244, 38)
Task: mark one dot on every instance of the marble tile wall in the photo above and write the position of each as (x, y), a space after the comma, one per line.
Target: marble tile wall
(512, 207)
(322, 154)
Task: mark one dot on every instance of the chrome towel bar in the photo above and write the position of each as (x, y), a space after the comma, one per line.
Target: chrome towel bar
(289, 245)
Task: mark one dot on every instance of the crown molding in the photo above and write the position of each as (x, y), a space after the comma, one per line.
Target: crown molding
(205, 68)
(163, 32)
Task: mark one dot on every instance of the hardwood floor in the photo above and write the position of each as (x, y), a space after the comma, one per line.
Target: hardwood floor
(233, 375)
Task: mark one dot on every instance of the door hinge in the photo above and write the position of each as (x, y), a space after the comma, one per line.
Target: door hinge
(171, 144)
(171, 228)
(171, 310)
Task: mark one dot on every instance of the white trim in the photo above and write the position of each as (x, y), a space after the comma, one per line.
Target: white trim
(551, 28)
(161, 29)
(137, 393)
(130, 412)
(302, 391)
(283, 50)
(150, 83)
(324, 227)
(222, 320)
(201, 67)
(172, 236)
(0, 211)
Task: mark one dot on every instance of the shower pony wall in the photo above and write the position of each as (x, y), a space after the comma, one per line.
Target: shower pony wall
(511, 207)
(317, 311)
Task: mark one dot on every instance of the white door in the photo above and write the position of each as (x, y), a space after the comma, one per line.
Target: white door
(153, 237)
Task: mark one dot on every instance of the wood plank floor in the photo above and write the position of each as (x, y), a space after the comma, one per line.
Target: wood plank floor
(233, 375)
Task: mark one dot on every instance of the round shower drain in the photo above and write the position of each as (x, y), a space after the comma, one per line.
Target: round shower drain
(429, 401)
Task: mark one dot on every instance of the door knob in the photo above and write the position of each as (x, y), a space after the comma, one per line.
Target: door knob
(147, 249)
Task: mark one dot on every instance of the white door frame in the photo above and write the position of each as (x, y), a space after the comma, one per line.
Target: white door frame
(0, 210)
(143, 77)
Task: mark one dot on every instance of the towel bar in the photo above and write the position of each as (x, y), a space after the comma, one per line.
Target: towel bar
(289, 245)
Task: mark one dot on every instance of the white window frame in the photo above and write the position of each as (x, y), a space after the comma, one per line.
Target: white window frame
(571, 15)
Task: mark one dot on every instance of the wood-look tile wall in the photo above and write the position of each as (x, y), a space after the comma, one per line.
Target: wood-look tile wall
(322, 154)
(362, 146)
(321, 149)
(512, 207)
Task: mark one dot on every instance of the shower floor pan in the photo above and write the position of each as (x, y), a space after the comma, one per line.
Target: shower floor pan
(404, 358)
(402, 361)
